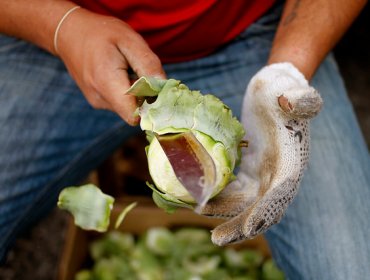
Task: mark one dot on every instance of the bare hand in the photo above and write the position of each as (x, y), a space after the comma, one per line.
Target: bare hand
(98, 51)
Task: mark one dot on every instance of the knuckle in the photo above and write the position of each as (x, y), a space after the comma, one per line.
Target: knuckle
(153, 60)
(150, 64)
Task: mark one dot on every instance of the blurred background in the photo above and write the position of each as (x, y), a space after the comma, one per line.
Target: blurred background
(37, 254)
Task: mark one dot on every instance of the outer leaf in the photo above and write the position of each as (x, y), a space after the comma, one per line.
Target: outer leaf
(90, 207)
(178, 109)
(166, 201)
(214, 118)
(147, 86)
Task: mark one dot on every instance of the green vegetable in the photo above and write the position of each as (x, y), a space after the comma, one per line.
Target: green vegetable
(179, 109)
(84, 275)
(243, 258)
(113, 268)
(271, 272)
(160, 241)
(90, 207)
(115, 243)
(201, 265)
(145, 264)
(185, 253)
(190, 236)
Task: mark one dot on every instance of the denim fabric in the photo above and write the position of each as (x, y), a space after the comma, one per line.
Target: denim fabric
(50, 138)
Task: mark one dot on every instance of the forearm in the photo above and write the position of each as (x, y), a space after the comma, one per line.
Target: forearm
(308, 30)
(33, 20)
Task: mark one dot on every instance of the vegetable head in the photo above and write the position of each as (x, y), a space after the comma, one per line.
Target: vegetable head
(179, 109)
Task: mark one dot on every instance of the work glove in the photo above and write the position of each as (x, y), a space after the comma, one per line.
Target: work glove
(277, 107)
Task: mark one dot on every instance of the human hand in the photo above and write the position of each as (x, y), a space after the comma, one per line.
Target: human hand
(276, 111)
(98, 51)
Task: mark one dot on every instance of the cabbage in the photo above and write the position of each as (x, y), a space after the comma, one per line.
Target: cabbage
(178, 109)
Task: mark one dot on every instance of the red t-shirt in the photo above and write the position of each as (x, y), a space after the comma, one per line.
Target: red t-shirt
(183, 30)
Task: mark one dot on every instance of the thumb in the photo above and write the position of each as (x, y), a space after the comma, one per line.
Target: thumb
(301, 103)
(142, 60)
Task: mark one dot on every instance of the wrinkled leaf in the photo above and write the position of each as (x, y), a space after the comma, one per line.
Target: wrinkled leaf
(90, 207)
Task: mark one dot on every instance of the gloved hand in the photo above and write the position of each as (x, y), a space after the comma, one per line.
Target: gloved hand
(277, 107)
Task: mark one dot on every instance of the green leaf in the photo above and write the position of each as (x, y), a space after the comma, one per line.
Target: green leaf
(193, 236)
(160, 241)
(90, 207)
(84, 275)
(201, 265)
(145, 264)
(166, 201)
(114, 243)
(164, 204)
(271, 272)
(123, 214)
(147, 86)
(113, 268)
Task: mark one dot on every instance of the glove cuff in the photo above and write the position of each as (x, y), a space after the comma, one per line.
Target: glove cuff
(287, 68)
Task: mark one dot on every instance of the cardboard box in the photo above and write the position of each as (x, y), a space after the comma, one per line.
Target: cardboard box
(144, 216)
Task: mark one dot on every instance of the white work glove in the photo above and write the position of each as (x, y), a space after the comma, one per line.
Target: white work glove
(277, 107)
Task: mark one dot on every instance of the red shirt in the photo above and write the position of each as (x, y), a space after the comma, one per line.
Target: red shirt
(183, 30)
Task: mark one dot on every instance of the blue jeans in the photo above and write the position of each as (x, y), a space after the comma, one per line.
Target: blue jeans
(50, 137)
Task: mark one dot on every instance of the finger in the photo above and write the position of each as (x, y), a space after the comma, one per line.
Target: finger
(270, 208)
(144, 63)
(141, 58)
(230, 231)
(115, 84)
(300, 103)
(259, 217)
(125, 107)
(123, 104)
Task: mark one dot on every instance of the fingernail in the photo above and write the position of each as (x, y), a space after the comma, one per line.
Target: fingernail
(285, 104)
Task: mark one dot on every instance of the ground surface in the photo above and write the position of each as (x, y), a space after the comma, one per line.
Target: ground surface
(36, 255)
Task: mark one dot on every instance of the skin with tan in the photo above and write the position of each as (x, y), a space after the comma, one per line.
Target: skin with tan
(308, 30)
(97, 50)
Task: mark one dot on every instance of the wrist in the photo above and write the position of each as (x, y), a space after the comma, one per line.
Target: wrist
(35, 22)
(303, 59)
(57, 29)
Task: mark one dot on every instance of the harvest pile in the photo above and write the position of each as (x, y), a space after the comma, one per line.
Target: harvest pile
(183, 254)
